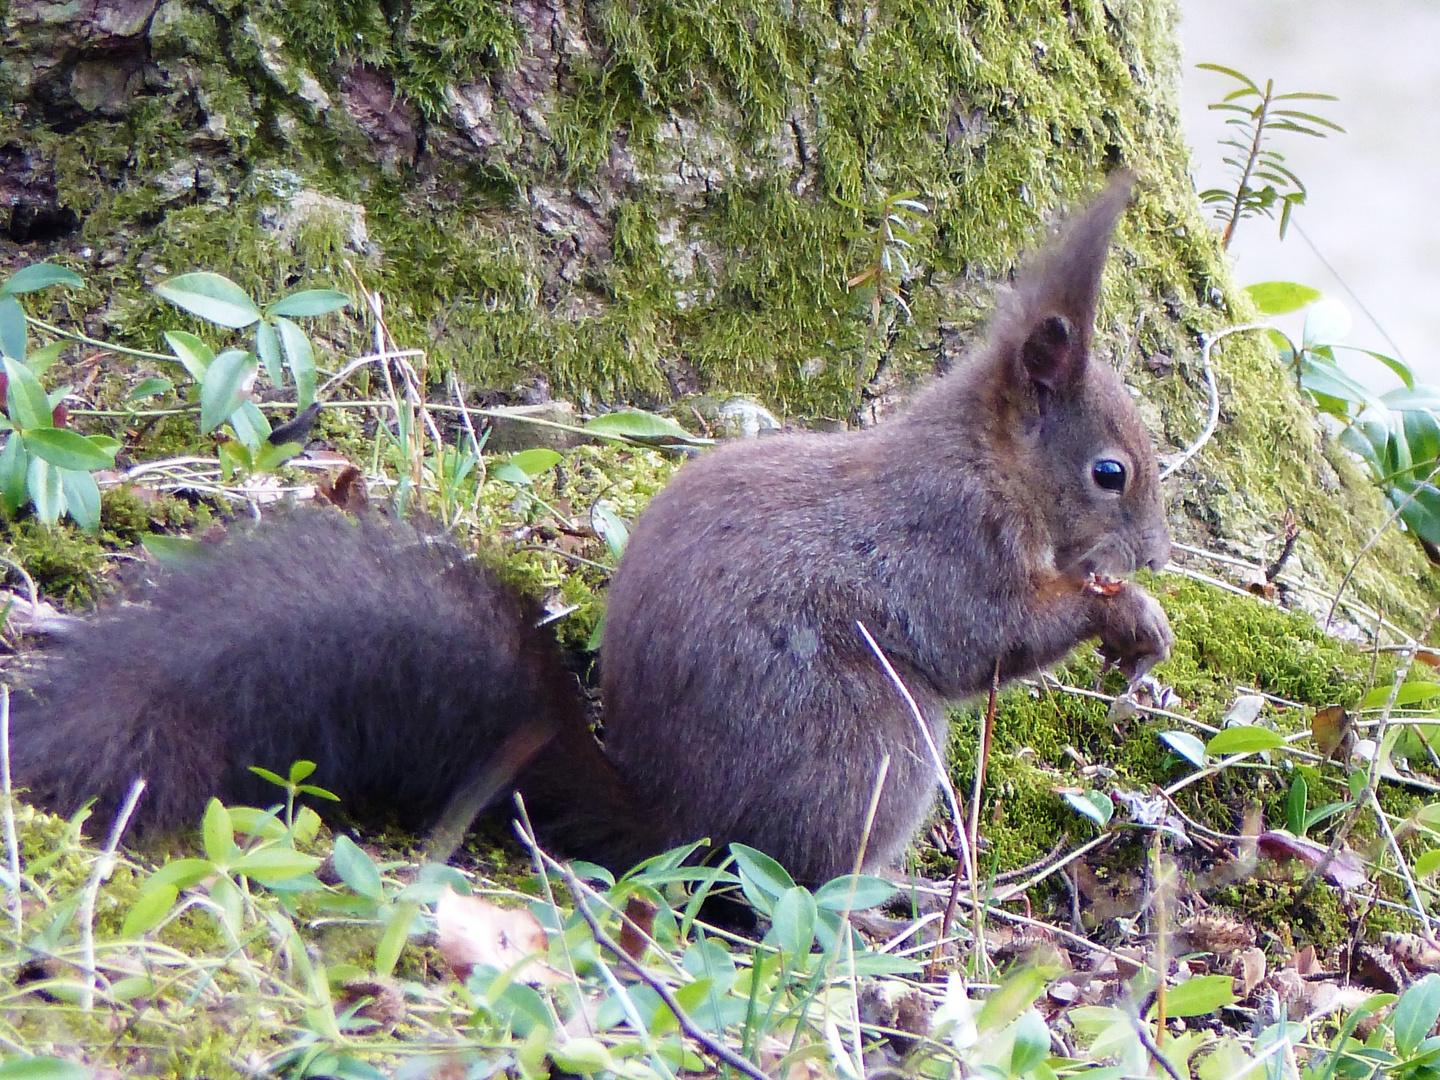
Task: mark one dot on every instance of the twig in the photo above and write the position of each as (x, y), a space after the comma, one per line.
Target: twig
(360, 361)
(1370, 798)
(1207, 342)
(32, 594)
(7, 808)
(1375, 539)
(940, 771)
(1029, 883)
(1148, 1042)
(102, 869)
(75, 335)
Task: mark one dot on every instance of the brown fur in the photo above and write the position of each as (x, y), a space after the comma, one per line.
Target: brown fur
(741, 702)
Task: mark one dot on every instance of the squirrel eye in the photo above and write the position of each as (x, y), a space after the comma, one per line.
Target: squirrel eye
(1109, 474)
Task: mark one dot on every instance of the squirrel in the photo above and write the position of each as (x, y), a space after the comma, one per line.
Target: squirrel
(981, 532)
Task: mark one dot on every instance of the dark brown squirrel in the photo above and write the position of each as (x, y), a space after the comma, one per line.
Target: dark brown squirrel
(982, 527)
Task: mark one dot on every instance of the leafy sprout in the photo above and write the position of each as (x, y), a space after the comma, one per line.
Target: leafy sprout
(1263, 180)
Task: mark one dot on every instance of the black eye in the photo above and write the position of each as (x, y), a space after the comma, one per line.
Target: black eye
(1109, 474)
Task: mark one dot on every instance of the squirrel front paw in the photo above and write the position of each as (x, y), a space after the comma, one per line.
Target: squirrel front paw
(1135, 634)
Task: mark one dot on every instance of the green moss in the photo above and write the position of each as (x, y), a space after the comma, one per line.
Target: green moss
(65, 564)
(1224, 642)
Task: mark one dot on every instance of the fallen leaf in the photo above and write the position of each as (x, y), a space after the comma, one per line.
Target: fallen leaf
(1333, 730)
(1345, 868)
(474, 932)
(637, 925)
(1248, 968)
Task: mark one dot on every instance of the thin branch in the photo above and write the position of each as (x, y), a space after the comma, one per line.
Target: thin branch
(104, 866)
(941, 773)
(1208, 342)
(7, 809)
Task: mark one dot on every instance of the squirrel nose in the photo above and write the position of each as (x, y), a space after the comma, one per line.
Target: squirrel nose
(1161, 555)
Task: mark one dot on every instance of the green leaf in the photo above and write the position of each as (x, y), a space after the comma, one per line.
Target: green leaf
(301, 770)
(267, 347)
(42, 481)
(67, 449)
(397, 933)
(535, 463)
(1199, 996)
(178, 874)
(234, 458)
(14, 462)
(227, 894)
(192, 353)
(82, 496)
(274, 864)
(510, 474)
(1281, 297)
(1017, 993)
(250, 425)
(218, 833)
(300, 358)
(1095, 805)
(869, 892)
(635, 424)
(357, 869)
(762, 878)
(213, 297)
(25, 399)
(252, 822)
(308, 303)
(1295, 805)
(1186, 745)
(611, 526)
(270, 457)
(1032, 1043)
(1409, 694)
(1415, 1014)
(40, 276)
(40, 360)
(584, 1056)
(149, 910)
(175, 551)
(43, 1068)
(226, 385)
(1427, 863)
(1244, 740)
(151, 387)
(792, 923)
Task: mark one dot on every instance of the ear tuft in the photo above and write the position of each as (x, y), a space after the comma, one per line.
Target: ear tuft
(1057, 293)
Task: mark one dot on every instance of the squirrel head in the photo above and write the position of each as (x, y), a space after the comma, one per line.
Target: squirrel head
(1083, 456)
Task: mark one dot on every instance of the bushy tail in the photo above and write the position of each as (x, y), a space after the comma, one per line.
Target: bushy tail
(396, 666)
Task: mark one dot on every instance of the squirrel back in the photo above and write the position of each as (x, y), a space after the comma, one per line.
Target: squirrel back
(976, 534)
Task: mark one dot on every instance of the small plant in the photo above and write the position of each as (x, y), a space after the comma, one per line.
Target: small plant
(895, 234)
(225, 380)
(1396, 434)
(1262, 180)
(44, 463)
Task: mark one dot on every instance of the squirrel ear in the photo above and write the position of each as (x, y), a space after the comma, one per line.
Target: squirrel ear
(1053, 353)
(1058, 293)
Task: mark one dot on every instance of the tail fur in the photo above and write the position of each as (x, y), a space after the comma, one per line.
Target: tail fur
(396, 666)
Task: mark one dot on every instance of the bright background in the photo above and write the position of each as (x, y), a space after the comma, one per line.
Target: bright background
(1373, 209)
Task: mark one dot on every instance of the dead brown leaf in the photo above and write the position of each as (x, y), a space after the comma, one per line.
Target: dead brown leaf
(473, 932)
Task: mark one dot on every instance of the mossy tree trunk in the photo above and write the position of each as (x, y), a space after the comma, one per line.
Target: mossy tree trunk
(639, 200)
